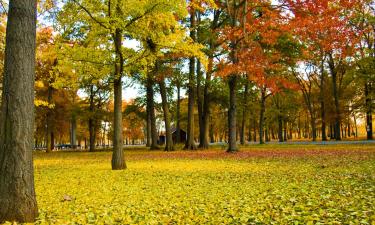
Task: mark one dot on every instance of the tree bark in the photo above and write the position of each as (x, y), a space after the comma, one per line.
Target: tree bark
(49, 119)
(168, 133)
(190, 144)
(261, 115)
(151, 112)
(118, 160)
(73, 132)
(244, 113)
(368, 111)
(322, 104)
(178, 113)
(148, 129)
(280, 128)
(285, 130)
(232, 114)
(200, 103)
(334, 74)
(17, 193)
(92, 134)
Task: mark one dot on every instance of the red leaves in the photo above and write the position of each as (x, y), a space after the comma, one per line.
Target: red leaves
(324, 25)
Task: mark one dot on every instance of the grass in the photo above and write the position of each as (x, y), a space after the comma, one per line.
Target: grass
(258, 185)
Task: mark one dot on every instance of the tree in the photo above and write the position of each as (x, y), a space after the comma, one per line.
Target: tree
(324, 26)
(17, 193)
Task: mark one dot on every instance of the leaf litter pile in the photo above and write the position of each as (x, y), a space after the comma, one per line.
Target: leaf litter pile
(258, 185)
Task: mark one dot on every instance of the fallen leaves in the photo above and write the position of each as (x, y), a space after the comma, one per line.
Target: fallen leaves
(289, 186)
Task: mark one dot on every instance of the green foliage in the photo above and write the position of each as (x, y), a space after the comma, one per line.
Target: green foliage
(322, 185)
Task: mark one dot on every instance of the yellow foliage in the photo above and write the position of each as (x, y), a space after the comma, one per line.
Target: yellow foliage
(208, 187)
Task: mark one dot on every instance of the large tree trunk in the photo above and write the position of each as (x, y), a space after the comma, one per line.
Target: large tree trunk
(334, 74)
(368, 111)
(244, 113)
(151, 112)
(118, 160)
(17, 193)
(232, 115)
(204, 136)
(261, 116)
(168, 133)
(190, 144)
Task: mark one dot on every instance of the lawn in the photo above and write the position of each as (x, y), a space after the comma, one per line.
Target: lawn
(258, 185)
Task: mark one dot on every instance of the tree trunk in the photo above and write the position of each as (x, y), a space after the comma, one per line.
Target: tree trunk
(168, 133)
(368, 111)
(17, 193)
(178, 115)
(313, 127)
(285, 131)
(322, 104)
(118, 160)
(280, 128)
(92, 134)
(49, 119)
(232, 114)
(337, 124)
(148, 129)
(255, 130)
(73, 132)
(151, 112)
(206, 106)
(190, 144)
(261, 116)
(200, 103)
(244, 113)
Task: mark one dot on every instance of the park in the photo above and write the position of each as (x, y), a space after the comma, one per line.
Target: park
(187, 112)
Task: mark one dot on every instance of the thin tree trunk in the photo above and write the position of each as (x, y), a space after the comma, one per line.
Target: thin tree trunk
(255, 130)
(200, 102)
(168, 133)
(49, 119)
(73, 133)
(280, 128)
(148, 129)
(261, 115)
(17, 193)
(285, 131)
(151, 111)
(92, 134)
(118, 160)
(244, 113)
(369, 127)
(178, 113)
(232, 114)
(322, 104)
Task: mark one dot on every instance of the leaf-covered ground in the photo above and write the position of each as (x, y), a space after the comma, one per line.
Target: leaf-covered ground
(258, 185)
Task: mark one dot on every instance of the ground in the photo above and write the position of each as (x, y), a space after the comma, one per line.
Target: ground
(258, 185)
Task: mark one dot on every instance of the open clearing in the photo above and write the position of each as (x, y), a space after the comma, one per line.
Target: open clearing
(258, 185)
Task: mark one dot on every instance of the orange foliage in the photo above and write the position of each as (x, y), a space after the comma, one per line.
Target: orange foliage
(251, 44)
(324, 25)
